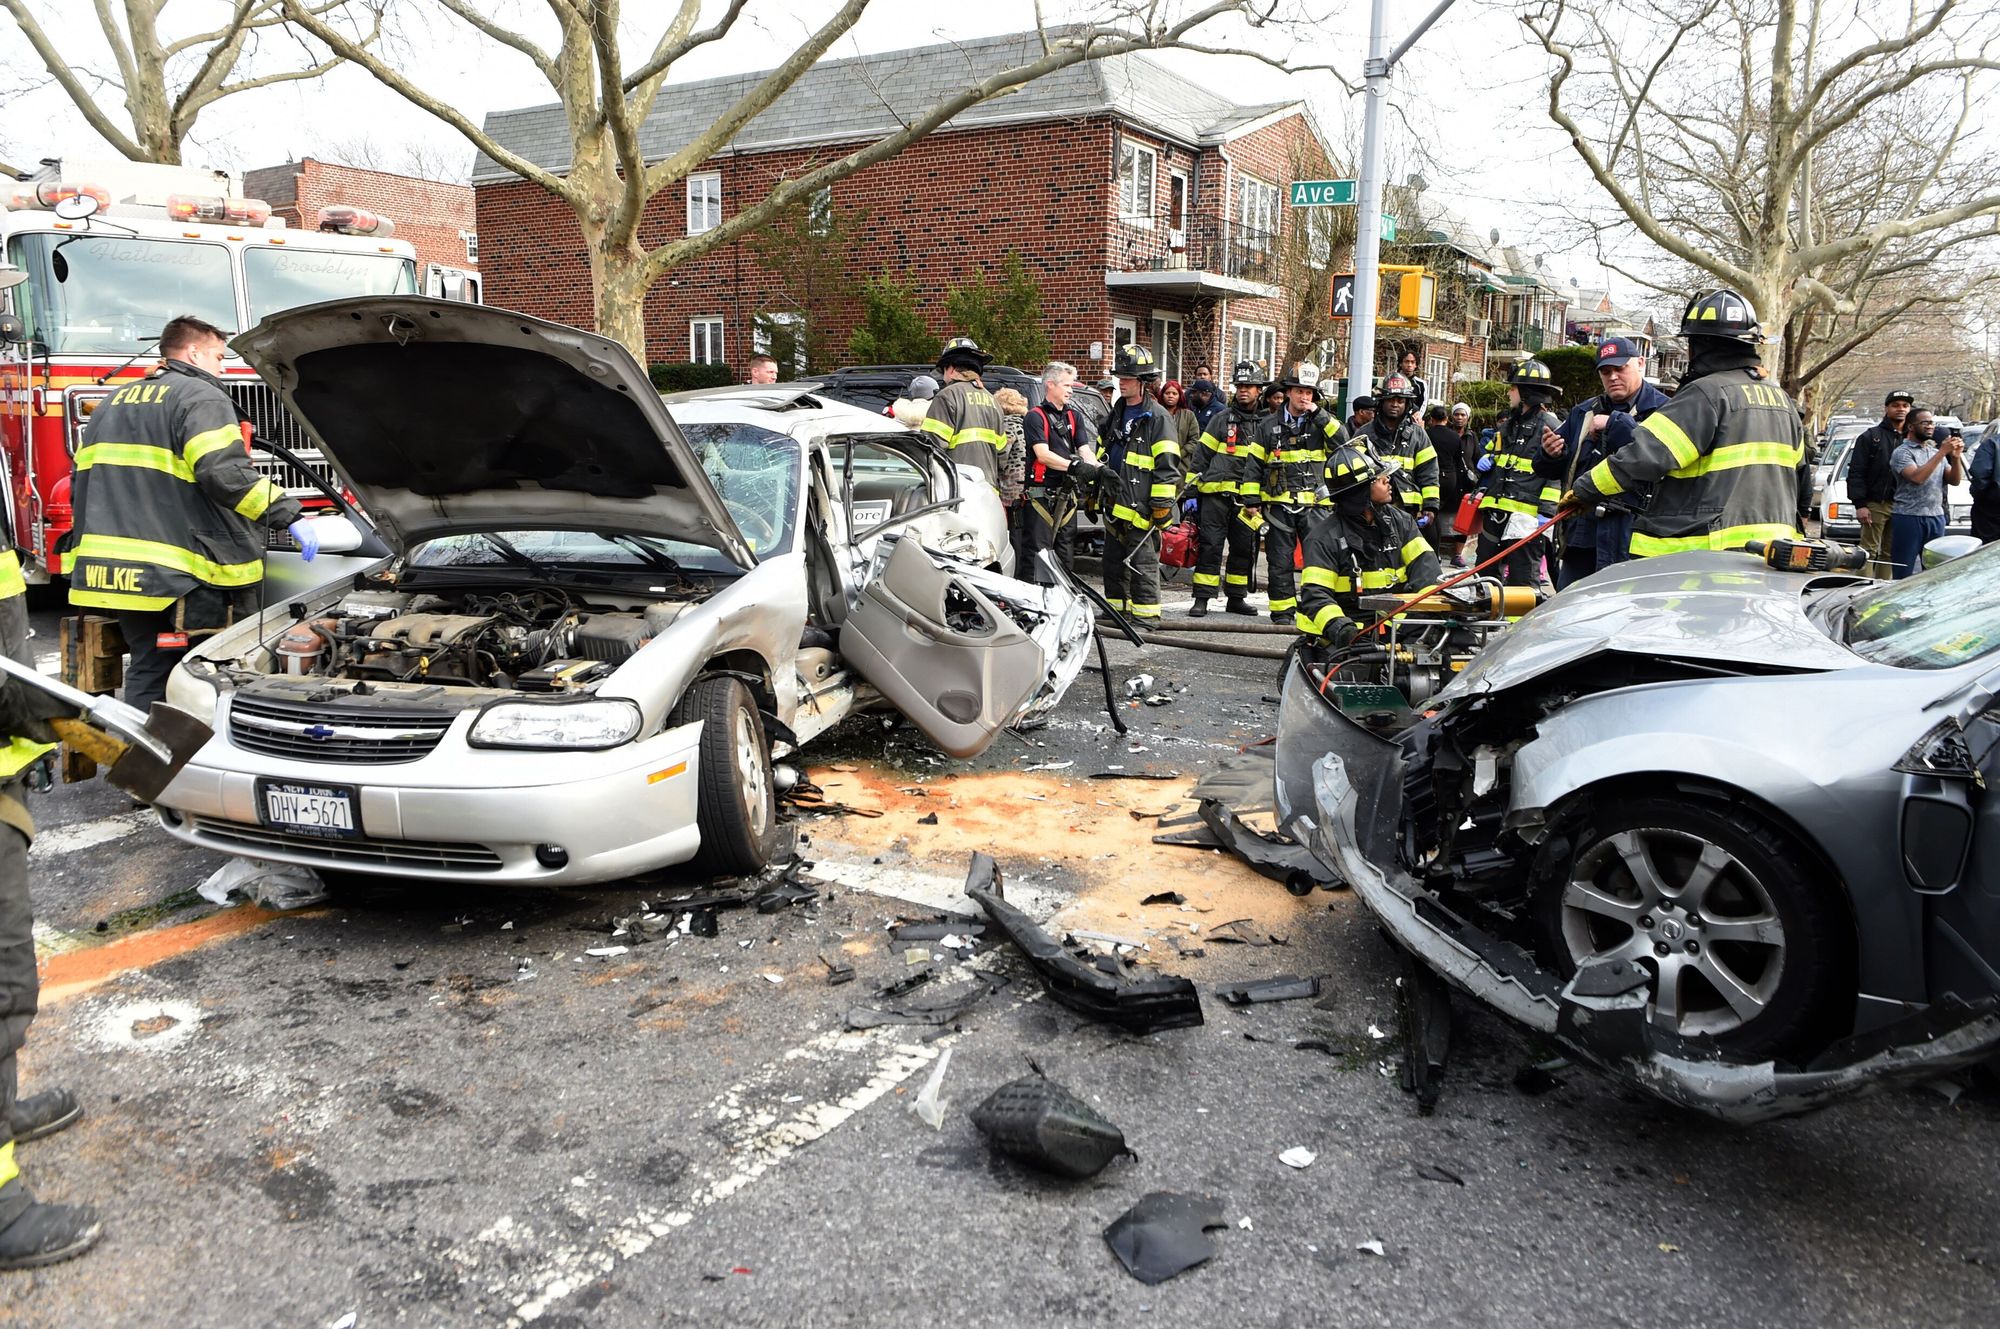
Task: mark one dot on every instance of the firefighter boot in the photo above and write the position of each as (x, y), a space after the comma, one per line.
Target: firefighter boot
(1200, 609)
(44, 1114)
(48, 1234)
(1238, 605)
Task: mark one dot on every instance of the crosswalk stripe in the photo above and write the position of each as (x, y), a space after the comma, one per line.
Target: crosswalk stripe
(59, 840)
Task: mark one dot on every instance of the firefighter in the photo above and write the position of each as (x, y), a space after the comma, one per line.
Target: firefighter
(1368, 543)
(1281, 483)
(1517, 497)
(1062, 467)
(1218, 461)
(964, 415)
(1395, 434)
(31, 1233)
(168, 510)
(1726, 455)
(1139, 487)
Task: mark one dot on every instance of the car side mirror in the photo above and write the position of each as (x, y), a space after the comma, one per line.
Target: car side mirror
(337, 534)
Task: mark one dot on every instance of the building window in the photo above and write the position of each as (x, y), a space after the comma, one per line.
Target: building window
(471, 239)
(1177, 200)
(1167, 343)
(705, 341)
(1137, 168)
(1437, 374)
(1257, 342)
(782, 336)
(1258, 211)
(819, 213)
(704, 202)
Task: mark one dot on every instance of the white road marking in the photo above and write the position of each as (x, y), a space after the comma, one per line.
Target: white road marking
(935, 890)
(58, 840)
(49, 662)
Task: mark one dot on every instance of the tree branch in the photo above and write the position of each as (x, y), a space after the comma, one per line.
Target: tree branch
(676, 42)
(60, 70)
(541, 59)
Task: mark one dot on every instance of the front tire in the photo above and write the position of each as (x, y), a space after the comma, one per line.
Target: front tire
(1741, 931)
(737, 797)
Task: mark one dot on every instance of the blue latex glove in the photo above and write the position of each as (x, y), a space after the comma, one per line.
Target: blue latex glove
(1191, 506)
(1485, 465)
(307, 537)
(1424, 519)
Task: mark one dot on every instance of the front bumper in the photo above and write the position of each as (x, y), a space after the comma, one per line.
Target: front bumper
(1600, 1015)
(462, 814)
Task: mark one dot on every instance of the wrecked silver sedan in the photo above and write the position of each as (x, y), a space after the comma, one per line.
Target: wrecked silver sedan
(592, 619)
(1727, 833)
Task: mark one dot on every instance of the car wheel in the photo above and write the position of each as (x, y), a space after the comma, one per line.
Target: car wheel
(1744, 942)
(737, 798)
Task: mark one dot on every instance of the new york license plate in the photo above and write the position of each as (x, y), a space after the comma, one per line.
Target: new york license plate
(309, 809)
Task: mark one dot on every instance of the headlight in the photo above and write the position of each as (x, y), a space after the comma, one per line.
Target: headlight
(563, 724)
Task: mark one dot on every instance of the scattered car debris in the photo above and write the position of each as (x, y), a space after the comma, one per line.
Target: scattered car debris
(606, 952)
(1238, 932)
(268, 885)
(1139, 1005)
(943, 929)
(1372, 1248)
(1435, 1172)
(927, 1106)
(1050, 766)
(1425, 1004)
(1158, 699)
(1298, 1156)
(1040, 1123)
(836, 974)
(1165, 1234)
(809, 797)
(1135, 775)
(928, 819)
(1165, 897)
(1138, 685)
(939, 1007)
(1283, 987)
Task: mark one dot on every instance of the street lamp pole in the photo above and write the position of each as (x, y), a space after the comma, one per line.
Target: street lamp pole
(1368, 240)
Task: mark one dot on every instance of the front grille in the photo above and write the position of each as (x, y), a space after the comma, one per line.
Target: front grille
(438, 854)
(280, 730)
(271, 421)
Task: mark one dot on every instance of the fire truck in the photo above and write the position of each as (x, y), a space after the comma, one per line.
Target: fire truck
(110, 252)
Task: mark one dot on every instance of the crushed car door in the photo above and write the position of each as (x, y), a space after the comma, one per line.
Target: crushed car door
(1950, 839)
(941, 649)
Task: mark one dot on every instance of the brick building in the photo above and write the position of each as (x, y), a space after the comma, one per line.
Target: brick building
(433, 215)
(1148, 206)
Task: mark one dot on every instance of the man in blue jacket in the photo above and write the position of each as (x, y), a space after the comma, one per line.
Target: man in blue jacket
(1597, 428)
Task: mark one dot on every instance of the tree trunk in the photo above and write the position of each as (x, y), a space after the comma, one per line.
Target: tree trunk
(618, 290)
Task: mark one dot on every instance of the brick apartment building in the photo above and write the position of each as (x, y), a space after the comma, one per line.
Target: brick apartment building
(1148, 205)
(432, 215)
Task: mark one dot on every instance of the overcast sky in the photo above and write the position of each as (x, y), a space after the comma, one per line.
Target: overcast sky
(1472, 90)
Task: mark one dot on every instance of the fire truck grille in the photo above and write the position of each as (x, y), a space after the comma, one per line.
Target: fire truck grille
(272, 421)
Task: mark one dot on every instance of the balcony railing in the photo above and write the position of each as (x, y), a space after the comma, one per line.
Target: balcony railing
(1205, 244)
(1518, 337)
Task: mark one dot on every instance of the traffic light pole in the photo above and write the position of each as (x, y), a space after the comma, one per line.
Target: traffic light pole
(1368, 241)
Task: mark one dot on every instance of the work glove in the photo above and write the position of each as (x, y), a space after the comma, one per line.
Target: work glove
(1343, 631)
(1190, 506)
(1253, 517)
(306, 537)
(1485, 464)
(1572, 503)
(1085, 472)
(1162, 514)
(1424, 518)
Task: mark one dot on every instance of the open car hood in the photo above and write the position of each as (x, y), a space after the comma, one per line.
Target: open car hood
(1726, 607)
(445, 417)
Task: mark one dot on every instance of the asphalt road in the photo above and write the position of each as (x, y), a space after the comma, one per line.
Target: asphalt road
(433, 1107)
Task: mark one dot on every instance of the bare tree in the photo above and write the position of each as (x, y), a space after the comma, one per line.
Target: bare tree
(420, 158)
(606, 101)
(166, 83)
(1814, 154)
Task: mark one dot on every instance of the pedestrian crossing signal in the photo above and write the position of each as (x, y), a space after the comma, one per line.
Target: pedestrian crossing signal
(1343, 295)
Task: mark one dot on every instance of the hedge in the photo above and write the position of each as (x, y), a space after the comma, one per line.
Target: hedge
(685, 376)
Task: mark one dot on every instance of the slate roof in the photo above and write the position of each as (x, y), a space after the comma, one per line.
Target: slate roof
(866, 97)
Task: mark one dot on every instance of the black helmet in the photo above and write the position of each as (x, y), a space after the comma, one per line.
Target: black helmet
(1134, 361)
(1248, 372)
(1533, 374)
(1395, 386)
(1301, 374)
(1352, 467)
(963, 353)
(1721, 313)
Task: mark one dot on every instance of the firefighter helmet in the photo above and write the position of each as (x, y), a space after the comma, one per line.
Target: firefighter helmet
(1301, 374)
(1134, 361)
(1532, 374)
(1723, 313)
(963, 353)
(1395, 386)
(1248, 372)
(1352, 466)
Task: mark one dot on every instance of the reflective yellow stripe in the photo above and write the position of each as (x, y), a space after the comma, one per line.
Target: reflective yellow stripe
(974, 434)
(11, 581)
(1119, 512)
(211, 440)
(16, 757)
(8, 1168)
(1508, 505)
(1375, 579)
(1236, 578)
(937, 427)
(1426, 453)
(254, 503)
(1508, 461)
(120, 549)
(1431, 493)
(1167, 445)
(1316, 625)
(1673, 436)
(1218, 486)
(117, 600)
(1207, 579)
(143, 455)
(1137, 610)
(1551, 494)
(1603, 481)
(1729, 537)
(1737, 455)
(1280, 606)
(1415, 549)
(1138, 461)
(1300, 454)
